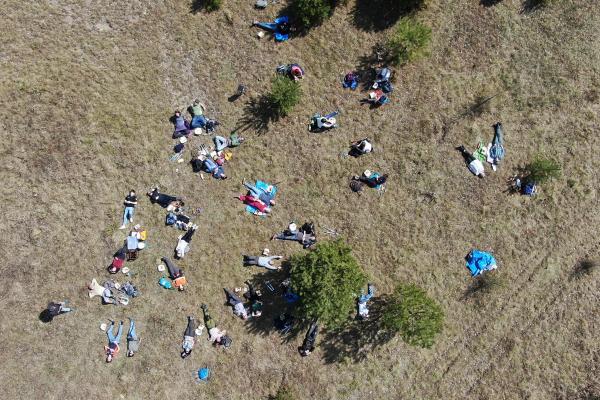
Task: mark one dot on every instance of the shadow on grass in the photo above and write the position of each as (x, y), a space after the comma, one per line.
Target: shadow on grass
(483, 285)
(45, 316)
(368, 65)
(584, 268)
(202, 5)
(358, 338)
(377, 15)
(489, 3)
(258, 114)
(274, 306)
(530, 6)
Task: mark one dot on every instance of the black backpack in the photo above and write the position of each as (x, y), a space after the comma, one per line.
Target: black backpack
(308, 228)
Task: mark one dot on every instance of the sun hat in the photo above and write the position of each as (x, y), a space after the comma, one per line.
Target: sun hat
(103, 326)
(198, 131)
(292, 227)
(117, 285)
(372, 95)
(161, 267)
(183, 139)
(125, 270)
(367, 173)
(199, 330)
(266, 252)
(141, 245)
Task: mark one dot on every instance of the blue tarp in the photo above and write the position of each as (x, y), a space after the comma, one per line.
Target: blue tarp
(479, 261)
(262, 186)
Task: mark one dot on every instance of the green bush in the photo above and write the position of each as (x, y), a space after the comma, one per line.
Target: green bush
(410, 41)
(542, 170)
(311, 13)
(327, 280)
(213, 5)
(413, 314)
(285, 94)
(284, 393)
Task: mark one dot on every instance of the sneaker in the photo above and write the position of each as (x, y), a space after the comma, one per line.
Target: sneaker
(123, 226)
(131, 220)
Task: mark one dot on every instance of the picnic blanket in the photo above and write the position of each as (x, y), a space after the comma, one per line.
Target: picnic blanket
(263, 187)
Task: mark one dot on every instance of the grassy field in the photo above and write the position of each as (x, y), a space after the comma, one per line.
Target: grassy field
(86, 90)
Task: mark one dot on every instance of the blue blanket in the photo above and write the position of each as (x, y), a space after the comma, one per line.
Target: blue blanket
(263, 187)
(479, 261)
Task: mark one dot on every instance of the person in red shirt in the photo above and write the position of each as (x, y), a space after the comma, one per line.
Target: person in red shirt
(256, 203)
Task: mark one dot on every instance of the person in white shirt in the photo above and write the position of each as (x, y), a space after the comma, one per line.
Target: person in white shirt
(475, 165)
(360, 147)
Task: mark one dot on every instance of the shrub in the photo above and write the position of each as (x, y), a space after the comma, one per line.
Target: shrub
(213, 5)
(413, 314)
(285, 94)
(409, 42)
(284, 393)
(542, 170)
(327, 280)
(311, 13)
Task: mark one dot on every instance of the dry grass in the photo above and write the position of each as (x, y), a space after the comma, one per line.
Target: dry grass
(86, 89)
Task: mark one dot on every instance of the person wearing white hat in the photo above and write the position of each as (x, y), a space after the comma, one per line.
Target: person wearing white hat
(262, 261)
(305, 236)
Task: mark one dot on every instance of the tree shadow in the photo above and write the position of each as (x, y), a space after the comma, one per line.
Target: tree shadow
(274, 306)
(259, 112)
(489, 3)
(366, 70)
(530, 6)
(358, 338)
(584, 268)
(377, 15)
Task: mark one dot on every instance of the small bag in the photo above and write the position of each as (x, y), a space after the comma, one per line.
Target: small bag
(165, 283)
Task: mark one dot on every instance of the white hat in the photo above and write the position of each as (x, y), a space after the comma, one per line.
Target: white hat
(183, 139)
(367, 173)
(266, 252)
(141, 245)
(103, 326)
(292, 227)
(372, 95)
(161, 267)
(137, 226)
(198, 131)
(125, 270)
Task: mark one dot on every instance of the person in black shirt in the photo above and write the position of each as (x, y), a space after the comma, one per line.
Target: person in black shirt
(130, 203)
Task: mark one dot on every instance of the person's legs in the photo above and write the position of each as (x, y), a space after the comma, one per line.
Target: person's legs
(188, 235)
(268, 26)
(466, 155)
(190, 330)
(256, 192)
(119, 332)
(131, 333)
(288, 236)
(232, 298)
(109, 332)
(198, 121)
(174, 272)
(208, 321)
(220, 143)
(250, 260)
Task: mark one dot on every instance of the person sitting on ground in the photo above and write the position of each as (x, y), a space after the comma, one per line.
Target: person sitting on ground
(252, 201)
(133, 341)
(360, 147)
(215, 335)
(321, 123)
(182, 127)
(474, 164)
(183, 245)
(371, 179)
(363, 310)
(254, 297)
(280, 27)
(382, 80)
(130, 203)
(266, 196)
(237, 303)
(189, 337)
(176, 274)
(350, 81)
(163, 200)
(55, 309)
(262, 261)
(377, 98)
(308, 345)
(305, 236)
(293, 71)
(113, 341)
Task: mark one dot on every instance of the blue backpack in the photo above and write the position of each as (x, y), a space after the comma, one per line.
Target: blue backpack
(165, 283)
(529, 189)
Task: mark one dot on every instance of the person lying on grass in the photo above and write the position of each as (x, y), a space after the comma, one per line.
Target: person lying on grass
(266, 196)
(262, 261)
(215, 335)
(262, 208)
(182, 126)
(237, 304)
(189, 337)
(171, 203)
(113, 341)
(176, 274)
(372, 180)
(305, 236)
(133, 341)
(474, 164)
(183, 245)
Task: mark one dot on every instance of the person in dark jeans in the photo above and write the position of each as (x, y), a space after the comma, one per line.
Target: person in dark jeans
(308, 345)
(55, 309)
(183, 245)
(130, 203)
(189, 337)
(133, 341)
